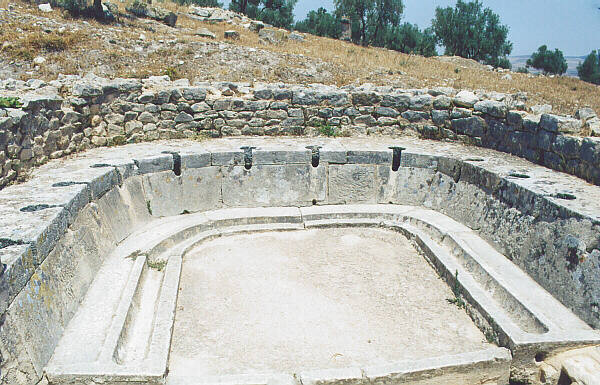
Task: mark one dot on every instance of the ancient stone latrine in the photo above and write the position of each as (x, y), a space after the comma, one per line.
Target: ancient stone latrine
(75, 227)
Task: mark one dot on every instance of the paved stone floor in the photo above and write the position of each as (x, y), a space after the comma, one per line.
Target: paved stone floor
(311, 299)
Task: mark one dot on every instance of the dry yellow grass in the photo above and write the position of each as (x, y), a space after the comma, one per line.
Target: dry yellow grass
(28, 41)
(347, 63)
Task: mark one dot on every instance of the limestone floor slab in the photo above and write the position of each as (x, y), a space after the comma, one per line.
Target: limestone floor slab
(285, 302)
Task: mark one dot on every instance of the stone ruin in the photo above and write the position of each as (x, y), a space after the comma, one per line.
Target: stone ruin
(448, 238)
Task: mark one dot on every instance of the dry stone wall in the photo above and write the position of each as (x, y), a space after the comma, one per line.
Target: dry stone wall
(73, 114)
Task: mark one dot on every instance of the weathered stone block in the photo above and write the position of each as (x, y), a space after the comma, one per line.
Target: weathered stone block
(492, 108)
(465, 99)
(420, 102)
(567, 146)
(442, 102)
(387, 112)
(398, 101)
(365, 98)
(367, 120)
(440, 117)
(473, 126)
(195, 94)
(415, 116)
(555, 123)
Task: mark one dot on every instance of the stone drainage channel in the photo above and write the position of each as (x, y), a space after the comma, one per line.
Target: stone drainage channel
(128, 231)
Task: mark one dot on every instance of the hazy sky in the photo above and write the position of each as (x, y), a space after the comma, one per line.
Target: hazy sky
(570, 25)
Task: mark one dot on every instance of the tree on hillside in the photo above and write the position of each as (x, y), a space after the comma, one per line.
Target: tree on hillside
(240, 6)
(589, 70)
(386, 14)
(473, 32)
(548, 61)
(408, 38)
(370, 18)
(321, 23)
(279, 13)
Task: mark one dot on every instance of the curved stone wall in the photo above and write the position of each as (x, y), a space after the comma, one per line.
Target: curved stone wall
(73, 114)
(58, 227)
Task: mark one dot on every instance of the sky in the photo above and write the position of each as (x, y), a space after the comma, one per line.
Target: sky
(572, 26)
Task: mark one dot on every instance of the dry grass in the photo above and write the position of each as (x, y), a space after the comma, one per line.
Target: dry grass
(346, 63)
(27, 42)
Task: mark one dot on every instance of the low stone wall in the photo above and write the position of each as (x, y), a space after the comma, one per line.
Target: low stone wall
(73, 114)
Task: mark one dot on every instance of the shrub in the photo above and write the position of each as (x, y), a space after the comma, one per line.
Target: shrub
(589, 70)
(327, 130)
(522, 70)
(279, 13)
(473, 32)
(408, 38)
(548, 61)
(321, 23)
(10, 102)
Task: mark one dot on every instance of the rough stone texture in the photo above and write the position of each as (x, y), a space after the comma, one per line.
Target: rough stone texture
(101, 112)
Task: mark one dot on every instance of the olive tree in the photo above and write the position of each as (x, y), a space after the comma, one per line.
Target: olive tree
(471, 31)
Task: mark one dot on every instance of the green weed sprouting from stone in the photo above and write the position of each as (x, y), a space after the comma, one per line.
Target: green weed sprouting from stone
(457, 300)
(156, 265)
(327, 130)
(149, 207)
(490, 336)
(172, 73)
(10, 102)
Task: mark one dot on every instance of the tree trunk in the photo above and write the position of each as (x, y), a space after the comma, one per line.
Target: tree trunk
(98, 8)
(363, 32)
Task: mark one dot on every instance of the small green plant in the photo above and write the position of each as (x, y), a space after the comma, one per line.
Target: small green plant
(456, 70)
(490, 336)
(327, 130)
(522, 70)
(10, 102)
(149, 207)
(457, 300)
(157, 265)
(172, 73)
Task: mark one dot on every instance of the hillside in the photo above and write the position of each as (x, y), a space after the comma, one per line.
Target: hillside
(138, 48)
